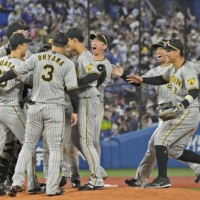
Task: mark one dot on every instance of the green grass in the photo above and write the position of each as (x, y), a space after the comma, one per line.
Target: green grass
(131, 172)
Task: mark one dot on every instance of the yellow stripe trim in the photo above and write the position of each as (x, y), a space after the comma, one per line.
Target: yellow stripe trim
(72, 88)
(164, 78)
(16, 73)
(33, 169)
(18, 114)
(175, 127)
(149, 164)
(86, 128)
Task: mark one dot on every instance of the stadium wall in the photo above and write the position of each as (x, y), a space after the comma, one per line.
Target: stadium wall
(126, 151)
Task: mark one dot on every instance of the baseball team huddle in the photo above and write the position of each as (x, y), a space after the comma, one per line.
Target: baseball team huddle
(66, 109)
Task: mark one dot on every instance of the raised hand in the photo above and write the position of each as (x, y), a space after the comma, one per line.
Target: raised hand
(117, 70)
(131, 78)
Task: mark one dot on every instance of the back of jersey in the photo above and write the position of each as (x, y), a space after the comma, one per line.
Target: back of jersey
(10, 91)
(52, 72)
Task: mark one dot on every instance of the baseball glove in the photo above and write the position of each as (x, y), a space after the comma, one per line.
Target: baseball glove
(102, 69)
(168, 114)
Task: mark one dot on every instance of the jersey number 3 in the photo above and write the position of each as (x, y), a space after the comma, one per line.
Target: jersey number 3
(49, 75)
(4, 84)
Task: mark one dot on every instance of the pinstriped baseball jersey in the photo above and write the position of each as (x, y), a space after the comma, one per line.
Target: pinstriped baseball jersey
(3, 52)
(108, 66)
(197, 67)
(10, 91)
(85, 65)
(52, 72)
(164, 91)
(182, 80)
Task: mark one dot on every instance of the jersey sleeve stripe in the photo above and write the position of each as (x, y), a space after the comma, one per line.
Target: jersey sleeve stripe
(164, 78)
(193, 89)
(16, 73)
(72, 88)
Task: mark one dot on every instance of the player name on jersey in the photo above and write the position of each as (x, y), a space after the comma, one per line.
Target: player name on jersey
(6, 63)
(59, 61)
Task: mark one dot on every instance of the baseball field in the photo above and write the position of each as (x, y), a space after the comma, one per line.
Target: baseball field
(182, 180)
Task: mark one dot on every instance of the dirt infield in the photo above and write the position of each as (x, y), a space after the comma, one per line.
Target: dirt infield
(177, 191)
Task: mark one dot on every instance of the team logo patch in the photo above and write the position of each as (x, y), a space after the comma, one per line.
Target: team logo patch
(89, 67)
(191, 81)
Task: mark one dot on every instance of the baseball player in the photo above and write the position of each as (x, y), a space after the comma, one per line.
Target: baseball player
(164, 98)
(11, 92)
(89, 105)
(175, 132)
(70, 169)
(51, 72)
(70, 159)
(15, 27)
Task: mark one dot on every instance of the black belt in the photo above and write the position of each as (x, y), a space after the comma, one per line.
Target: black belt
(32, 102)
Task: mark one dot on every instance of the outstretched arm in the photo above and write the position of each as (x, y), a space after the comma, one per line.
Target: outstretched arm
(118, 71)
(7, 76)
(156, 80)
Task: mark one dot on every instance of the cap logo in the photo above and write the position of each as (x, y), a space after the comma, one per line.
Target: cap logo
(20, 23)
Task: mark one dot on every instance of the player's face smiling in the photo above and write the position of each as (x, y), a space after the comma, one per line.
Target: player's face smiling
(160, 53)
(171, 55)
(98, 47)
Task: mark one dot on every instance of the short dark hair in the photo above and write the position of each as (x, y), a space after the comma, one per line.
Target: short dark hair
(58, 44)
(75, 33)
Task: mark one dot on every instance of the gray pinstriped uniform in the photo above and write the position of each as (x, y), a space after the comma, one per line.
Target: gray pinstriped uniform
(70, 169)
(101, 88)
(89, 107)
(70, 160)
(51, 72)
(148, 162)
(177, 132)
(11, 94)
(6, 134)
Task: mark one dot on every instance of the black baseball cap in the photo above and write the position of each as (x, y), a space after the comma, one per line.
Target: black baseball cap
(100, 36)
(13, 27)
(18, 38)
(160, 43)
(60, 38)
(74, 33)
(174, 44)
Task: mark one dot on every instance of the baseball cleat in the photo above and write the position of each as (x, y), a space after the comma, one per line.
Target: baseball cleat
(132, 182)
(76, 184)
(13, 191)
(23, 188)
(42, 187)
(60, 192)
(3, 189)
(89, 186)
(197, 178)
(62, 181)
(159, 182)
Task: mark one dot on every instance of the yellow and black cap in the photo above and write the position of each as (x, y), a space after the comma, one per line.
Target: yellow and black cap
(60, 38)
(160, 43)
(18, 38)
(100, 36)
(174, 45)
(13, 27)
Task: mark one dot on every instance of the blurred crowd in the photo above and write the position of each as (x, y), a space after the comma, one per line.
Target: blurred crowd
(127, 108)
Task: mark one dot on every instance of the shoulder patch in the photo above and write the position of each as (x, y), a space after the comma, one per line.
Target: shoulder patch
(191, 81)
(89, 67)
